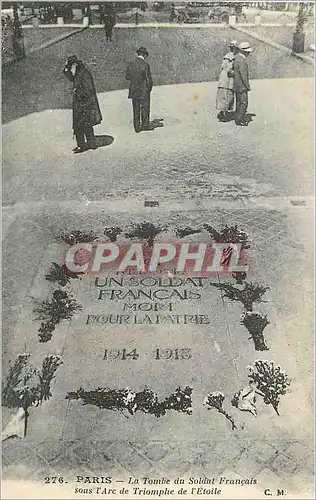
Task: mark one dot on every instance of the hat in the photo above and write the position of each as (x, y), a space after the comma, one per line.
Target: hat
(72, 60)
(142, 51)
(245, 46)
(233, 43)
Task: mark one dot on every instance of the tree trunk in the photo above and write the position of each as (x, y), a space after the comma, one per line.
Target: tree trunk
(17, 39)
(299, 35)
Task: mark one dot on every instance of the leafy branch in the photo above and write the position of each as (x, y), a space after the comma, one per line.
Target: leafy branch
(77, 237)
(62, 307)
(181, 232)
(229, 234)
(146, 231)
(27, 386)
(145, 401)
(60, 274)
(248, 295)
(112, 232)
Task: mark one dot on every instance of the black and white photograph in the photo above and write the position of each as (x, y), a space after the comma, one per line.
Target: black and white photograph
(158, 250)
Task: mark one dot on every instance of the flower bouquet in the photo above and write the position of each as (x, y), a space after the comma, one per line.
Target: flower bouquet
(214, 400)
(255, 324)
(270, 380)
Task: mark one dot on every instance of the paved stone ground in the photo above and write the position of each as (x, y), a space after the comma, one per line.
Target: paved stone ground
(238, 176)
(214, 159)
(176, 56)
(284, 35)
(35, 37)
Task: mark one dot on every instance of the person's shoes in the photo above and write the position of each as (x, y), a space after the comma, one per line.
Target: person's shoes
(225, 116)
(242, 124)
(92, 146)
(137, 130)
(80, 150)
(148, 128)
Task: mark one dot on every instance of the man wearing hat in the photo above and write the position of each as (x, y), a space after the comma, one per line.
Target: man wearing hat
(85, 105)
(139, 75)
(241, 82)
(225, 93)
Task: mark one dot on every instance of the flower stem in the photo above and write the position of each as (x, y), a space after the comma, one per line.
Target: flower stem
(226, 415)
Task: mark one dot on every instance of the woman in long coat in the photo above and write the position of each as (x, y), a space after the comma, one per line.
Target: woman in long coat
(225, 93)
(85, 105)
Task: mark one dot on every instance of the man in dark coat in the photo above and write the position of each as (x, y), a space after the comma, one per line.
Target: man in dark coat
(141, 84)
(241, 82)
(85, 106)
(109, 23)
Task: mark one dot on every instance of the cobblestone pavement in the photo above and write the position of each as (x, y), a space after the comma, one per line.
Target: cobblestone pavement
(284, 462)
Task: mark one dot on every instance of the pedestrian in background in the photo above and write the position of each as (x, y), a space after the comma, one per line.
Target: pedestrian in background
(85, 105)
(241, 82)
(238, 12)
(173, 14)
(225, 92)
(139, 75)
(109, 23)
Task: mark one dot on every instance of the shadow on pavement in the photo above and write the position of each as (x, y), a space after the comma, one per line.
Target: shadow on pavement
(157, 122)
(103, 140)
(230, 116)
(249, 117)
(175, 56)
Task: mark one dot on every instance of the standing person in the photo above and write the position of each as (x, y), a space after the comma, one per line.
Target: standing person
(238, 12)
(85, 106)
(109, 23)
(88, 14)
(173, 14)
(241, 82)
(225, 93)
(139, 74)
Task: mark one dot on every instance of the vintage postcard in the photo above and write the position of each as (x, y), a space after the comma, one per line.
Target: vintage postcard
(157, 250)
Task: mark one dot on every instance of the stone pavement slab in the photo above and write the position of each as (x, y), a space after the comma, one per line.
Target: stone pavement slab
(67, 436)
(193, 142)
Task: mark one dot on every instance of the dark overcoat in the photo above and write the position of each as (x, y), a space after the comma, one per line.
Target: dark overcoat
(85, 105)
(241, 74)
(139, 74)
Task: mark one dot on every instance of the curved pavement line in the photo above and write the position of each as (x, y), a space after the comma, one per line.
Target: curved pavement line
(56, 40)
(276, 45)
